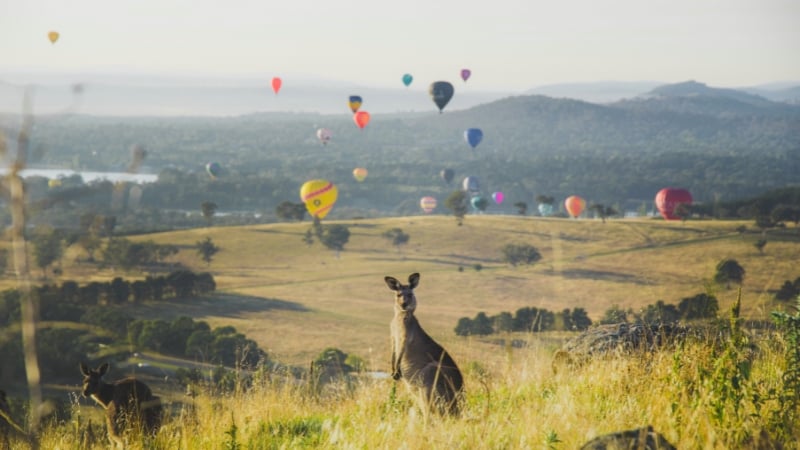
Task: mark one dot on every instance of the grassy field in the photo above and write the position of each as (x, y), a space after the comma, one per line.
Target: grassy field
(296, 300)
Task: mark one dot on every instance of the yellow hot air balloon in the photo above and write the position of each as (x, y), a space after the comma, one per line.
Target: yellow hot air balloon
(319, 197)
(54, 183)
(360, 173)
(53, 36)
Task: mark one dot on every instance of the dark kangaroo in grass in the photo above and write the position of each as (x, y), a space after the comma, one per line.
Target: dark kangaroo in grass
(129, 403)
(417, 358)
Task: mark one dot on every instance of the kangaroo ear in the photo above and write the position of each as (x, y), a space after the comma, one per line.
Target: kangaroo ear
(84, 369)
(102, 369)
(413, 280)
(392, 283)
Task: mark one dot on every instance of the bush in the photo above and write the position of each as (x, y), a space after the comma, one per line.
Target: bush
(515, 254)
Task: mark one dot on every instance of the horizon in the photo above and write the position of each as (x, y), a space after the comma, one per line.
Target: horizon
(509, 45)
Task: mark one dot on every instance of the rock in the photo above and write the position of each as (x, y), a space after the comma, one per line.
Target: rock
(639, 439)
(622, 338)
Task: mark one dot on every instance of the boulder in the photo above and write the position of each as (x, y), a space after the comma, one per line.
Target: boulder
(637, 439)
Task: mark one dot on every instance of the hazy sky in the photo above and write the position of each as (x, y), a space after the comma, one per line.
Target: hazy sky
(508, 44)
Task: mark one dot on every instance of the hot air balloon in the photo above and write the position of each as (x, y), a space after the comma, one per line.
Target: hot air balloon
(407, 79)
(473, 136)
(54, 183)
(276, 84)
(427, 204)
(441, 92)
(470, 184)
(447, 175)
(545, 209)
(360, 174)
(668, 201)
(324, 135)
(354, 102)
(465, 74)
(478, 203)
(361, 119)
(214, 169)
(498, 197)
(574, 205)
(319, 197)
(53, 36)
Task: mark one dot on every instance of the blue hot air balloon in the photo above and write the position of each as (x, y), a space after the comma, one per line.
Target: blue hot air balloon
(473, 136)
(407, 79)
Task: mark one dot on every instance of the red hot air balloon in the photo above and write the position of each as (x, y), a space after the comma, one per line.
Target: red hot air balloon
(669, 199)
(361, 119)
(574, 205)
(276, 85)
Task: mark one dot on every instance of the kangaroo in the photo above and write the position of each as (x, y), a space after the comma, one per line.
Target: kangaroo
(417, 358)
(129, 403)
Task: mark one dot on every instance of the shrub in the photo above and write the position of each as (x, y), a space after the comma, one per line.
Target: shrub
(515, 254)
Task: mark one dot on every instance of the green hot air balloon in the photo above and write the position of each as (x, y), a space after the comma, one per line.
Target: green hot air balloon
(441, 92)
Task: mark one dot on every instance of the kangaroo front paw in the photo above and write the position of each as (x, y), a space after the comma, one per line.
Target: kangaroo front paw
(396, 376)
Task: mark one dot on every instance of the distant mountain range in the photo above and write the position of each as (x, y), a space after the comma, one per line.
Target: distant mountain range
(132, 95)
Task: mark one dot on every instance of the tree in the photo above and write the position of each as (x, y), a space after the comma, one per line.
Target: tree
(209, 209)
(335, 237)
(580, 319)
(701, 306)
(789, 290)
(614, 315)
(464, 327)
(457, 202)
(119, 290)
(786, 213)
(522, 208)
(47, 248)
(206, 249)
(503, 322)
(728, 271)
(308, 238)
(3, 261)
(520, 254)
(397, 237)
(291, 211)
(602, 211)
(482, 325)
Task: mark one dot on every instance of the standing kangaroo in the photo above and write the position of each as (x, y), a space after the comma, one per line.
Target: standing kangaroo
(128, 403)
(417, 358)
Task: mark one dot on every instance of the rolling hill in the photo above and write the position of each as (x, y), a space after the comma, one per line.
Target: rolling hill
(295, 300)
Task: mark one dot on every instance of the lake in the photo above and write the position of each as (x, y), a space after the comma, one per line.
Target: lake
(87, 176)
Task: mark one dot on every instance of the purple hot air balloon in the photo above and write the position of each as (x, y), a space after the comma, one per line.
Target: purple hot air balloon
(465, 73)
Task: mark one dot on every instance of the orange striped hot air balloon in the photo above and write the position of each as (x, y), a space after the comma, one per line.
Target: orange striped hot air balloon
(319, 197)
(427, 204)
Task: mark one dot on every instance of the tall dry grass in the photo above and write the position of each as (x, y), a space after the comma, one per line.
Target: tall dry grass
(514, 401)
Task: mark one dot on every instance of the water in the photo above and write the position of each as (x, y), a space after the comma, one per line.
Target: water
(88, 176)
